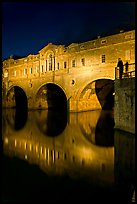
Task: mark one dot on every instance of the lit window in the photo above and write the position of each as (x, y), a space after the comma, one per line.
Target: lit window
(25, 71)
(37, 69)
(73, 63)
(83, 61)
(6, 73)
(65, 64)
(50, 62)
(103, 58)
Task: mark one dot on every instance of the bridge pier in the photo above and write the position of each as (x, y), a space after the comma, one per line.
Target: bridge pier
(124, 104)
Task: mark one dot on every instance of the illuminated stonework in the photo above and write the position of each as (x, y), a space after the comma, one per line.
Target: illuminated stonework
(72, 69)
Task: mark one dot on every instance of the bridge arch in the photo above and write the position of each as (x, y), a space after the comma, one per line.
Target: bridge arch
(51, 96)
(96, 93)
(16, 97)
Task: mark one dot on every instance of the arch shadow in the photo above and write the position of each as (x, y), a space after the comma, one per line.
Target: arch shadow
(20, 107)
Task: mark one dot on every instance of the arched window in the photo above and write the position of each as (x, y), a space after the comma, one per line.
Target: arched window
(50, 62)
(6, 73)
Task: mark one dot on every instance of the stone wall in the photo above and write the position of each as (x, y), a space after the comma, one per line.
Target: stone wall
(124, 104)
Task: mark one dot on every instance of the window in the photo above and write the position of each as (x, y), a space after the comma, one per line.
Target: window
(65, 64)
(58, 65)
(20, 72)
(73, 82)
(30, 70)
(82, 46)
(25, 71)
(103, 58)
(50, 62)
(103, 41)
(37, 69)
(42, 68)
(73, 63)
(83, 61)
(46, 66)
(6, 73)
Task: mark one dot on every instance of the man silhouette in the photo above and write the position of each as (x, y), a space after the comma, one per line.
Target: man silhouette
(120, 65)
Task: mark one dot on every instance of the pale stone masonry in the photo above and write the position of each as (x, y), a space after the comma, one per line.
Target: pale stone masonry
(124, 111)
(72, 68)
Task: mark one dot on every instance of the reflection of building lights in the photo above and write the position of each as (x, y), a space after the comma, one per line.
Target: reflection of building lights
(45, 153)
(26, 157)
(15, 143)
(41, 150)
(36, 148)
(30, 147)
(25, 145)
(6, 140)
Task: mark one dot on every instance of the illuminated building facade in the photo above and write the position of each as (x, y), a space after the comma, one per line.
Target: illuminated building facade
(73, 70)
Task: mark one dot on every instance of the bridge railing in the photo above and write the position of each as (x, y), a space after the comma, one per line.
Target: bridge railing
(126, 74)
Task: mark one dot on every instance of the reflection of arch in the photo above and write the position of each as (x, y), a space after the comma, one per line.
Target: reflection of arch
(51, 123)
(87, 123)
(105, 129)
(98, 127)
(51, 95)
(16, 118)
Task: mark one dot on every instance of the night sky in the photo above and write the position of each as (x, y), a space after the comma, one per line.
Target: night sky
(28, 27)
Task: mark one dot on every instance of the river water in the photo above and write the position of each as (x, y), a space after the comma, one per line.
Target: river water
(53, 156)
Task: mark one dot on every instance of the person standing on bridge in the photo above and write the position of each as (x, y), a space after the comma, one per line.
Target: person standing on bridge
(120, 65)
(126, 68)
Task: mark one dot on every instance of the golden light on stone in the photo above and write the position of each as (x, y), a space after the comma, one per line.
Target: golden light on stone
(65, 69)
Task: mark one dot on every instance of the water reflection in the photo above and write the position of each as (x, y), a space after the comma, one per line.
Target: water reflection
(69, 153)
(51, 123)
(125, 163)
(83, 148)
(98, 127)
(16, 118)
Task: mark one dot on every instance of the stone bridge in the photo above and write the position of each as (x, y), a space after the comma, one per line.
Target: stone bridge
(79, 77)
(79, 90)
